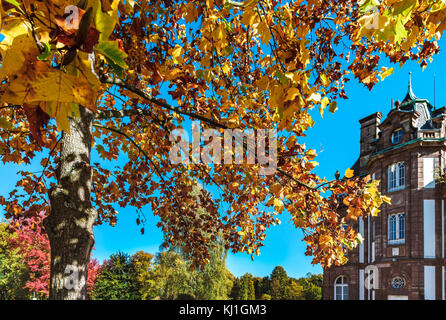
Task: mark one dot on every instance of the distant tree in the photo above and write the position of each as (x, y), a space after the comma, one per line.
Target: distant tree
(13, 271)
(266, 286)
(93, 272)
(278, 282)
(247, 291)
(293, 291)
(32, 243)
(117, 279)
(235, 291)
(170, 277)
(265, 296)
(258, 287)
(312, 286)
(144, 264)
(215, 281)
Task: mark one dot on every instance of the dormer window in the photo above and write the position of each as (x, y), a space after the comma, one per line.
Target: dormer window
(397, 136)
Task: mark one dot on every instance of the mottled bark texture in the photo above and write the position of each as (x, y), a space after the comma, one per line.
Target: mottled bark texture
(70, 223)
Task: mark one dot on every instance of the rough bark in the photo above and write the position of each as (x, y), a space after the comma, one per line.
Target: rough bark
(70, 223)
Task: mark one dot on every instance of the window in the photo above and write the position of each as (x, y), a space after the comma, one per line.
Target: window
(397, 135)
(429, 172)
(397, 228)
(341, 288)
(396, 173)
(398, 283)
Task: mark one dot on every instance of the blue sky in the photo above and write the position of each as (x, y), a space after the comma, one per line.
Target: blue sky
(336, 137)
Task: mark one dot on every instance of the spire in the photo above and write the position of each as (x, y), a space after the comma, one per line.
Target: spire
(410, 95)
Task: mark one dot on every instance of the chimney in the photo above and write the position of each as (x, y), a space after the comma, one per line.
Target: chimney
(369, 135)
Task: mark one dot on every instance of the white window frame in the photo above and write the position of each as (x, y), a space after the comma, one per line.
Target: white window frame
(343, 286)
(396, 235)
(396, 176)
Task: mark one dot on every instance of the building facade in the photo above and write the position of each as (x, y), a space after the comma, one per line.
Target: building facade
(402, 256)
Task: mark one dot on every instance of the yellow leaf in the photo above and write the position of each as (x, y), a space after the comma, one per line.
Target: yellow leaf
(15, 54)
(386, 72)
(349, 173)
(278, 205)
(249, 17)
(292, 93)
(324, 80)
(177, 52)
(324, 102)
(264, 32)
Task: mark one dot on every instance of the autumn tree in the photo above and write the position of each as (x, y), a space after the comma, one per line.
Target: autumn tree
(32, 243)
(121, 76)
(144, 264)
(25, 240)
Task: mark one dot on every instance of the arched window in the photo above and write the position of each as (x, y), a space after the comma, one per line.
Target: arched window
(397, 228)
(396, 175)
(397, 135)
(341, 288)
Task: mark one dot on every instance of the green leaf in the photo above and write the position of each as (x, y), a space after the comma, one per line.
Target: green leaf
(46, 54)
(404, 8)
(15, 4)
(105, 22)
(5, 124)
(111, 51)
(367, 5)
(117, 69)
(400, 31)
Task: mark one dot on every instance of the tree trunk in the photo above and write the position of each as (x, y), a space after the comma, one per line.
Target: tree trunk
(70, 223)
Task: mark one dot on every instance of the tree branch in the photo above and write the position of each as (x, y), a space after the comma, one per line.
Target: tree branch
(142, 94)
(147, 158)
(122, 84)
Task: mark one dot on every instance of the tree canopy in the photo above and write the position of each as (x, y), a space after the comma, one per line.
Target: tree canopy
(120, 76)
